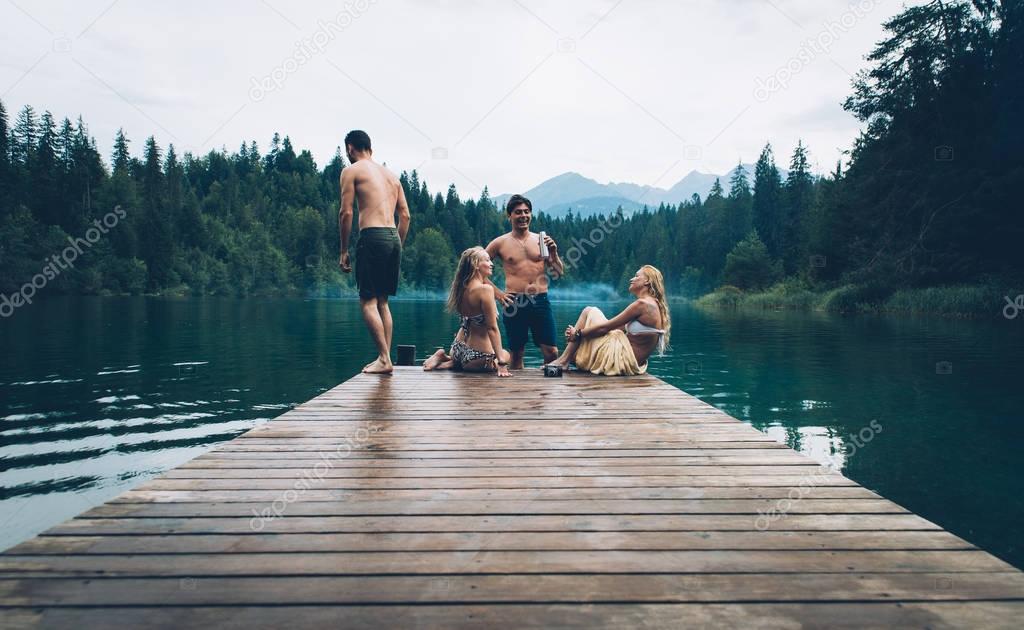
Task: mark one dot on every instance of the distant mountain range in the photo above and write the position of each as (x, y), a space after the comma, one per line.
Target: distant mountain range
(584, 196)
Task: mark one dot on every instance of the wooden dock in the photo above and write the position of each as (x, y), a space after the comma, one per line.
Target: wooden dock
(442, 500)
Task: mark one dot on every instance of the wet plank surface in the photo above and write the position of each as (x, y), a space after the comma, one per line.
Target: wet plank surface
(450, 500)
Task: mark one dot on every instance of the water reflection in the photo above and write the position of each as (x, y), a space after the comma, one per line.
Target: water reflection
(100, 393)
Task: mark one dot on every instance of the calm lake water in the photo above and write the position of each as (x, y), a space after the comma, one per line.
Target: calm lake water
(98, 394)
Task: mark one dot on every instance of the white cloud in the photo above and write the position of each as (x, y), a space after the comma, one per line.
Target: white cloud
(630, 91)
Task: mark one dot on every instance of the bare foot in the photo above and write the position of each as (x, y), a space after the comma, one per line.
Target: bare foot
(379, 367)
(435, 360)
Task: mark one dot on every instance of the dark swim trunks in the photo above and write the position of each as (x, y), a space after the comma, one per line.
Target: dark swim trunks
(529, 313)
(378, 261)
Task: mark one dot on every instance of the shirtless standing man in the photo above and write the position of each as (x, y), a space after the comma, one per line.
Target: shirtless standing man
(527, 309)
(379, 251)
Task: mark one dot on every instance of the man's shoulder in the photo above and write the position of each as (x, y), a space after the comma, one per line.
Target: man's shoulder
(497, 241)
(353, 169)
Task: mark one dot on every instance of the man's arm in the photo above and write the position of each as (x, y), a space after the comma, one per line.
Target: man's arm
(348, 195)
(554, 260)
(494, 248)
(403, 214)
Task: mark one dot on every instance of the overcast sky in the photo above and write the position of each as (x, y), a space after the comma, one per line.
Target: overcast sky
(503, 93)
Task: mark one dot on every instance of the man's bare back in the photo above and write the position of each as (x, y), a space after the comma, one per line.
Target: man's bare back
(379, 194)
(377, 191)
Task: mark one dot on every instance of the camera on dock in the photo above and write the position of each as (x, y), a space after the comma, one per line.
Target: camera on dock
(554, 371)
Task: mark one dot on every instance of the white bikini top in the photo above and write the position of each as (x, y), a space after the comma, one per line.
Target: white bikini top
(636, 327)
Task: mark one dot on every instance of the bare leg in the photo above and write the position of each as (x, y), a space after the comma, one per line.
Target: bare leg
(371, 315)
(435, 360)
(550, 353)
(385, 318)
(582, 319)
(569, 354)
(517, 359)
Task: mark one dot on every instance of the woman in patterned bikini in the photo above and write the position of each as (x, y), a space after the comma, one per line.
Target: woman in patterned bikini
(477, 345)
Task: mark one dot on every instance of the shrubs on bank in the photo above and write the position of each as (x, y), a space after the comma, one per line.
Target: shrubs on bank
(987, 299)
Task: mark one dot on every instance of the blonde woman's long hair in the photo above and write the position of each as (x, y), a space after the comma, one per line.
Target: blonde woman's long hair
(469, 262)
(657, 291)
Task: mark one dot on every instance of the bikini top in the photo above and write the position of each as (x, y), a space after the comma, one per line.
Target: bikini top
(636, 327)
(475, 320)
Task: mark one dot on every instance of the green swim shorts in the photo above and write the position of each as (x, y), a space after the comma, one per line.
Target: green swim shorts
(378, 261)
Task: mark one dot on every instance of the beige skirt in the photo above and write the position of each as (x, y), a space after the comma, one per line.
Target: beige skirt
(610, 354)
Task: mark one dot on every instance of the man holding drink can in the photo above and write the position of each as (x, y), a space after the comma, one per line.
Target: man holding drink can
(525, 257)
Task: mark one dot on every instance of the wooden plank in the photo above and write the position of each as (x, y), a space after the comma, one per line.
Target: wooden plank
(299, 461)
(537, 589)
(767, 540)
(358, 506)
(912, 614)
(492, 561)
(682, 471)
(314, 494)
(553, 481)
(476, 523)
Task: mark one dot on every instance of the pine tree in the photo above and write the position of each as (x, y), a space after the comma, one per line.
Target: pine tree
(46, 176)
(121, 157)
(715, 235)
(749, 266)
(6, 172)
(155, 235)
(740, 200)
(767, 203)
(739, 184)
(89, 172)
(716, 190)
(270, 160)
(174, 180)
(24, 137)
(799, 197)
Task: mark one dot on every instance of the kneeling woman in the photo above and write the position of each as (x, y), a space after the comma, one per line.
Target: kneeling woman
(620, 346)
(477, 345)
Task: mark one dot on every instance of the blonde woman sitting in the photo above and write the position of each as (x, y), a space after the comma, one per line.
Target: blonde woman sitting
(620, 346)
(477, 344)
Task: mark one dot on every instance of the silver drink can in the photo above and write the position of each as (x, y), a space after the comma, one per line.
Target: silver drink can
(543, 247)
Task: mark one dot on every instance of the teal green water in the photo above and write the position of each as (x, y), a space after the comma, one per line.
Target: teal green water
(97, 394)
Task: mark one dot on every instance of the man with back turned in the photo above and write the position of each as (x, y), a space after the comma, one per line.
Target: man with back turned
(379, 196)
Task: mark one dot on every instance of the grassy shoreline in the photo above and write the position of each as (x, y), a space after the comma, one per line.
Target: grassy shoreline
(985, 299)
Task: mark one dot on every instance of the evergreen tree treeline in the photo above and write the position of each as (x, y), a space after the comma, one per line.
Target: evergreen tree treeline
(929, 196)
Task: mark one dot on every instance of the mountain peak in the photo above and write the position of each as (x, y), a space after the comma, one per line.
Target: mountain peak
(585, 196)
